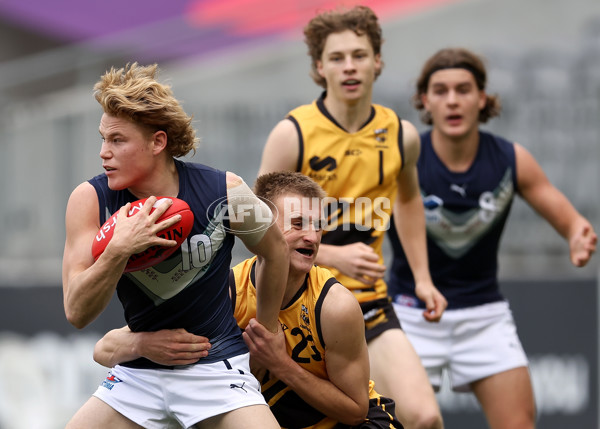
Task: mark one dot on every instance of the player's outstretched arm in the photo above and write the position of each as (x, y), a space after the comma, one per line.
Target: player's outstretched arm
(345, 395)
(409, 218)
(165, 347)
(87, 285)
(552, 205)
(252, 221)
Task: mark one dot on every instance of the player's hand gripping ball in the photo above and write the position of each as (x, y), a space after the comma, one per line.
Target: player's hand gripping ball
(154, 254)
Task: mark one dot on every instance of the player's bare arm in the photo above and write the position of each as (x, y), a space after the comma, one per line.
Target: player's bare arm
(345, 396)
(166, 347)
(552, 205)
(281, 150)
(409, 218)
(262, 237)
(87, 285)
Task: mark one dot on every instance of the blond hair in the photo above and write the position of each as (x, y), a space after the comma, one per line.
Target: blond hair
(133, 93)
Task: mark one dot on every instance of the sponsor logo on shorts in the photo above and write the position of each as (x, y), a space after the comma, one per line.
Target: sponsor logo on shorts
(110, 381)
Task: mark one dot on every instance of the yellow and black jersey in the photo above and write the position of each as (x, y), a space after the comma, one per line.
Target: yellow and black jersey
(359, 172)
(301, 324)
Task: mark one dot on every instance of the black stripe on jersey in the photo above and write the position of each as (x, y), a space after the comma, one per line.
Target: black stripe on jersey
(319, 305)
(253, 274)
(300, 143)
(232, 289)
(400, 142)
(380, 167)
(298, 294)
(369, 119)
(325, 112)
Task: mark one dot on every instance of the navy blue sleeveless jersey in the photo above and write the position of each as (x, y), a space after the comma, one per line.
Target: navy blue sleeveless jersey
(465, 215)
(189, 289)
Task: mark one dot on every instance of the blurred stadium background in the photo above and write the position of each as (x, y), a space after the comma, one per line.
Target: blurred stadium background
(239, 66)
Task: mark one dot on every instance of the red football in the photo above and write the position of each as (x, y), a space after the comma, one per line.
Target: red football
(155, 254)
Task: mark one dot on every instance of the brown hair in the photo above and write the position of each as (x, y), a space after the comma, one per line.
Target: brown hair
(133, 93)
(271, 186)
(360, 19)
(455, 58)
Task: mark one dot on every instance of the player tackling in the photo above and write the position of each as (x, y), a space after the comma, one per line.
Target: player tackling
(318, 365)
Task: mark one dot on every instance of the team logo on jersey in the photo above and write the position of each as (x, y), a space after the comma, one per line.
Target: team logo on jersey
(304, 316)
(110, 381)
(317, 163)
(456, 232)
(381, 134)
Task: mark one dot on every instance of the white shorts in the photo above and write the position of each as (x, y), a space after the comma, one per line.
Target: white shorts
(180, 397)
(471, 343)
